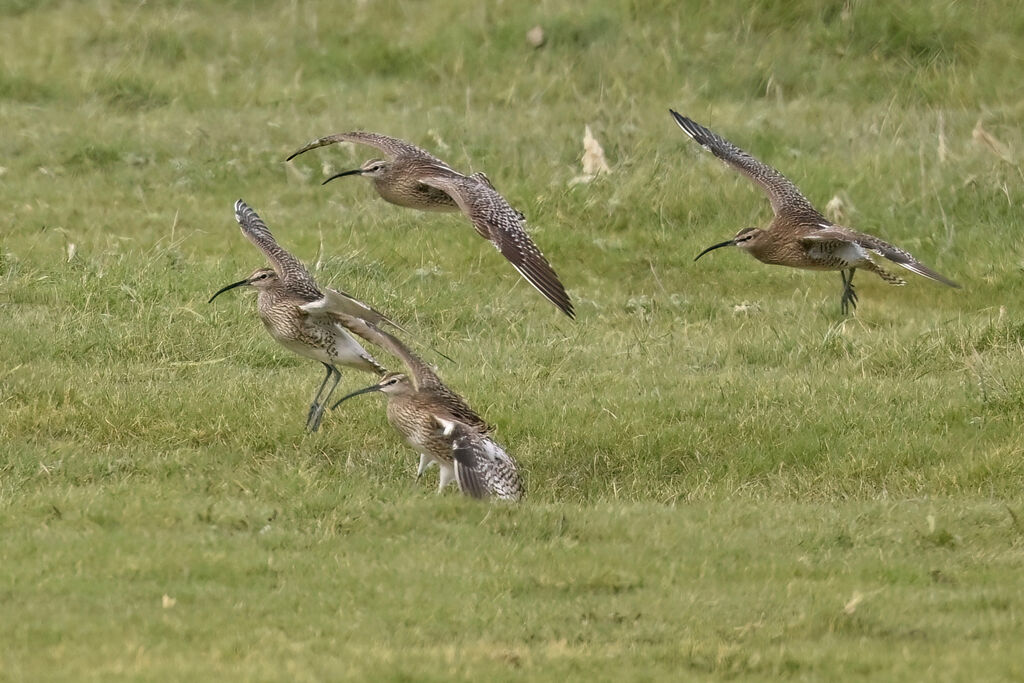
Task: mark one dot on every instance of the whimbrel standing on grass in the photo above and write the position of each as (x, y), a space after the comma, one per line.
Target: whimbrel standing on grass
(417, 179)
(799, 236)
(301, 317)
(439, 425)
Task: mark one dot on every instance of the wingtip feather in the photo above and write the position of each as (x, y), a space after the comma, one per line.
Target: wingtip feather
(241, 209)
(927, 272)
(312, 144)
(689, 126)
(305, 148)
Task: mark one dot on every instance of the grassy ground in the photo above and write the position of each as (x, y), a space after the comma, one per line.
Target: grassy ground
(727, 478)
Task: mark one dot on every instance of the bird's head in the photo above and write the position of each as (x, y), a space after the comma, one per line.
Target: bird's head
(393, 384)
(261, 279)
(373, 168)
(746, 238)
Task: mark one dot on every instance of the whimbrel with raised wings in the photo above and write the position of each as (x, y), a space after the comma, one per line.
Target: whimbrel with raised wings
(416, 179)
(300, 316)
(439, 425)
(800, 236)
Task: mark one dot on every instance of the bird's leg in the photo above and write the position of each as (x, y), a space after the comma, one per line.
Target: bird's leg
(327, 399)
(842, 297)
(316, 398)
(447, 475)
(849, 294)
(425, 462)
(316, 408)
(318, 415)
(849, 284)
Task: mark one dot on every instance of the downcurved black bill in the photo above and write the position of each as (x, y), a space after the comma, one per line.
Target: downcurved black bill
(240, 283)
(727, 243)
(356, 171)
(375, 387)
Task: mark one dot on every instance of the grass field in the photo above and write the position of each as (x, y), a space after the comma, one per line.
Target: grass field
(727, 479)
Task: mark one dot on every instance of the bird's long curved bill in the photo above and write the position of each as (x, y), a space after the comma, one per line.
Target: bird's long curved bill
(240, 283)
(375, 387)
(727, 243)
(355, 171)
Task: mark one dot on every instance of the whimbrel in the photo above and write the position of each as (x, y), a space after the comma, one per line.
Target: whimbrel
(300, 316)
(439, 425)
(417, 179)
(799, 236)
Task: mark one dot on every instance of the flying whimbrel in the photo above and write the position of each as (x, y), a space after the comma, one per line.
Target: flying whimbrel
(800, 236)
(300, 316)
(416, 179)
(439, 425)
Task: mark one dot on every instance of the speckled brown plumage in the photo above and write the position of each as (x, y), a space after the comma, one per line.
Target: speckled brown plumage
(301, 317)
(439, 425)
(799, 236)
(414, 178)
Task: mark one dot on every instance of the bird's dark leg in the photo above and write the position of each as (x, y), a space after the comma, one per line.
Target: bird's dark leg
(849, 294)
(316, 408)
(327, 399)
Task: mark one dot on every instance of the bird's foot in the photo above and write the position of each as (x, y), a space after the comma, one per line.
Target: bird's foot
(849, 299)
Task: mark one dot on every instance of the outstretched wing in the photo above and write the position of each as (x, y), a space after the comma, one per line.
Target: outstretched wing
(482, 467)
(288, 267)
(496, 220)
(420, 373)
(393, 147)
(784, 196)
(334, 302)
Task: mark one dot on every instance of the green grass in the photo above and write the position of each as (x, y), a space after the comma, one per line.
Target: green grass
(727, 479)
